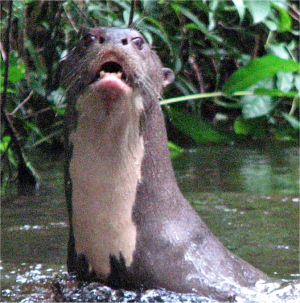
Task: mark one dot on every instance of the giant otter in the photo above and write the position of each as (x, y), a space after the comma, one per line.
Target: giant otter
(130, 226)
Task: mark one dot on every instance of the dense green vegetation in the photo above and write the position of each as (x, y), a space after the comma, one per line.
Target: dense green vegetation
(236, 64)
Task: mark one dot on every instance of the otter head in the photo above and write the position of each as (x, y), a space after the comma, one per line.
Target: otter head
(112, 64)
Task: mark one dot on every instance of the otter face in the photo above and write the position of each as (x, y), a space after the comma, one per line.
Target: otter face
(116, 60)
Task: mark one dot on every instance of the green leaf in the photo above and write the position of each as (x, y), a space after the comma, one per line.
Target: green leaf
(158, 30)
(16, 73)
(59, 110)
(284, 20)
(16, 69)
(197, 23)
(240, 7)
(281, 3)
(257, 70)
(271, 25)
(258, 9)
(284, 81)
(174, 147)
(257, 106)
(254, 127)
(4, 143)
(4, 148)
(175, 150)
(280, 50)
(241, 127)
(254, 106)
(197, 129)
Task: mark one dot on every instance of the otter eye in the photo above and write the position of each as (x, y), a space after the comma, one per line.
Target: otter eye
(89, 39)
(139, 42)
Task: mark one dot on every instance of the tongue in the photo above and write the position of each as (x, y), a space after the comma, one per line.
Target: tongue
(111, 90)
(112, 82)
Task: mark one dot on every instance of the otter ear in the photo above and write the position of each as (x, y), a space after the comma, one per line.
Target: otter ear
(168, 76)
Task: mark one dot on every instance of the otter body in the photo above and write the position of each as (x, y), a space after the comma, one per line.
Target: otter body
(130, 226)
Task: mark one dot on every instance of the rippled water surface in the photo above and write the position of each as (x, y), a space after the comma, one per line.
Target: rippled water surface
(248, 196)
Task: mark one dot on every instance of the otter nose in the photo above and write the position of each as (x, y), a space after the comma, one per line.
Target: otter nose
(116, 37)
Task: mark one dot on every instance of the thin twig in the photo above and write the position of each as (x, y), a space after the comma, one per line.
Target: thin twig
(46, 139)
(22, 103)
(196, 68)
(294, 106)
(26, 175)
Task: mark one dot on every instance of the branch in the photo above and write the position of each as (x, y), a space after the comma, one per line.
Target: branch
(26, 175)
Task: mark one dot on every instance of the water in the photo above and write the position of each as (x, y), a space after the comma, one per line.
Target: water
(248, 196)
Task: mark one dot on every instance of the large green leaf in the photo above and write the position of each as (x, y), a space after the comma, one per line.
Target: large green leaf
(257, 70)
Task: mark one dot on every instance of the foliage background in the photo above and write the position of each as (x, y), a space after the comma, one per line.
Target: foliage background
(236, 64)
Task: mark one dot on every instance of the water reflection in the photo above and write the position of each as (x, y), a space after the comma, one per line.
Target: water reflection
(275, 172)
(265, 170)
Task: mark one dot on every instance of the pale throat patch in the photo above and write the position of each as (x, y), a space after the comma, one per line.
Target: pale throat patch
(105, 169)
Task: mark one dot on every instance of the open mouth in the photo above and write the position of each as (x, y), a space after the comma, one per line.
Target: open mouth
(111, 67)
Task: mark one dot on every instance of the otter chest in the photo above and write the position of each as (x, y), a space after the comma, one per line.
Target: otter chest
(105, 169)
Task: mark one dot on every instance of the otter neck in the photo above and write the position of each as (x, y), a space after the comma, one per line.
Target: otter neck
(105, 170)
(158, 187)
